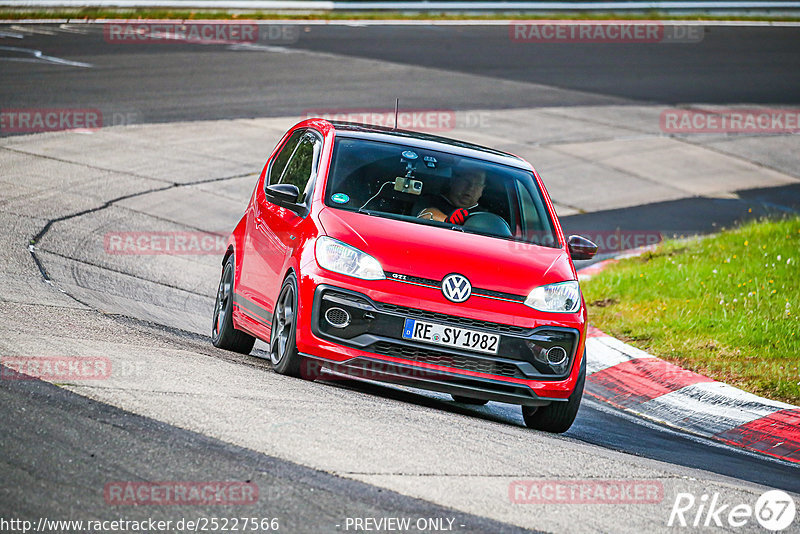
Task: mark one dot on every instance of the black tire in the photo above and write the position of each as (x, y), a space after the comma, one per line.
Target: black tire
(469, 400)
(282, 338)
(558, 416)
(223, 334)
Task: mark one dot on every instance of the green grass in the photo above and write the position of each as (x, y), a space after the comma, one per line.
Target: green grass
(90, 13)
(726, 306)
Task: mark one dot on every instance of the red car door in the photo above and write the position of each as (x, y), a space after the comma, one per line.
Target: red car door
(272, 232)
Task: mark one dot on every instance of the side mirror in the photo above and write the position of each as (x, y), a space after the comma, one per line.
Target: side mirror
(581, 248)
(281, 194)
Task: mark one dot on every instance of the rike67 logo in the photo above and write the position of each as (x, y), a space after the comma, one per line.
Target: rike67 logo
(774, 510)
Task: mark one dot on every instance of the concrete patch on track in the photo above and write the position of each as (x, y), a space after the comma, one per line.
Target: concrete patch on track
(190, 177)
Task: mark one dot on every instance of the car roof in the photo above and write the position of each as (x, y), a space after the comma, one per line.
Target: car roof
(428, 141)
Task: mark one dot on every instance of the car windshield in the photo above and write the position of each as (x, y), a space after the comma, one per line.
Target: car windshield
(424, 186)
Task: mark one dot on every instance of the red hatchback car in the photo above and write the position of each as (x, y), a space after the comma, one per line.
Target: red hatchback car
(401, 256)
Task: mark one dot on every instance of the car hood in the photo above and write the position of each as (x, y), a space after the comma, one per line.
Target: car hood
(433, 252)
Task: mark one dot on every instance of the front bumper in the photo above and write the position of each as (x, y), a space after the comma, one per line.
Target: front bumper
(374, 330)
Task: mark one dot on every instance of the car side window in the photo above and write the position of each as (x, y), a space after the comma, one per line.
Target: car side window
(301, 166)
(280, 161)
(296, 163)
(533, 220)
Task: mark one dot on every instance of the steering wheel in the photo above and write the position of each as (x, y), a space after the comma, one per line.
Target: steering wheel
(488, 223)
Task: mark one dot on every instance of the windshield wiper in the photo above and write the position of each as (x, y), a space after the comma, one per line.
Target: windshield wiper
(369, 212)
(381, 214)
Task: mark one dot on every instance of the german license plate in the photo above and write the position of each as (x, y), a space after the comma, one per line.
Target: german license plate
(450, 336)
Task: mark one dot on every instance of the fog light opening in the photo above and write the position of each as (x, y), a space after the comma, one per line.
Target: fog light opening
(337, 317)
(556, 355)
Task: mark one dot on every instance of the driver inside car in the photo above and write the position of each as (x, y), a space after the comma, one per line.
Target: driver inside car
(461, 198)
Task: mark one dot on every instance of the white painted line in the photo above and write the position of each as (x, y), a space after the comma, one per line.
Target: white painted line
(261, 47)
(672, 429)
(11, 35)
(721, 392)
(708, 408)
(69, 29)
(37, 56)
(605, 352)
(32, 29)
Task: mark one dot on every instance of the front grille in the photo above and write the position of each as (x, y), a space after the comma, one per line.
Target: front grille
(499, 295)
(445, 359)
(452, 319)
(414, 279)
(437, 284)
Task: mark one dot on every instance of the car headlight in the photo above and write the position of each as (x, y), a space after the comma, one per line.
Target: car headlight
(342, 258)
(562, 297)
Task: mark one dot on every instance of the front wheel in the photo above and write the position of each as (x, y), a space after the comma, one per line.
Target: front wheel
(558, 416)
(282, 338)
(223, 334)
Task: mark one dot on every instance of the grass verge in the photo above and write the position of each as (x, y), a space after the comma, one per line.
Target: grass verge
(725, 306)
(90, 13)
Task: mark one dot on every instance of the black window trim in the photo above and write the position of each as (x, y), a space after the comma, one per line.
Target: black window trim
(314, 166)
(524, 223)
(268, 174)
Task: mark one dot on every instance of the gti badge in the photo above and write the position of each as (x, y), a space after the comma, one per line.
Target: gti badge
(456, 287)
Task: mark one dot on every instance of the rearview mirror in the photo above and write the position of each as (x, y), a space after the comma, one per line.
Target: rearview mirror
(581, 248)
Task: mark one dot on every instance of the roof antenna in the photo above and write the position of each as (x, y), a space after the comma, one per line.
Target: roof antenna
(396, 109)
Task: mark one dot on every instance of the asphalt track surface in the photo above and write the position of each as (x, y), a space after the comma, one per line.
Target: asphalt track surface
(165, 83)
(48, 449)
(174, 81)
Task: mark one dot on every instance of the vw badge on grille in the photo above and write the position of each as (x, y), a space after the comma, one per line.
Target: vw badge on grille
(456, 287)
